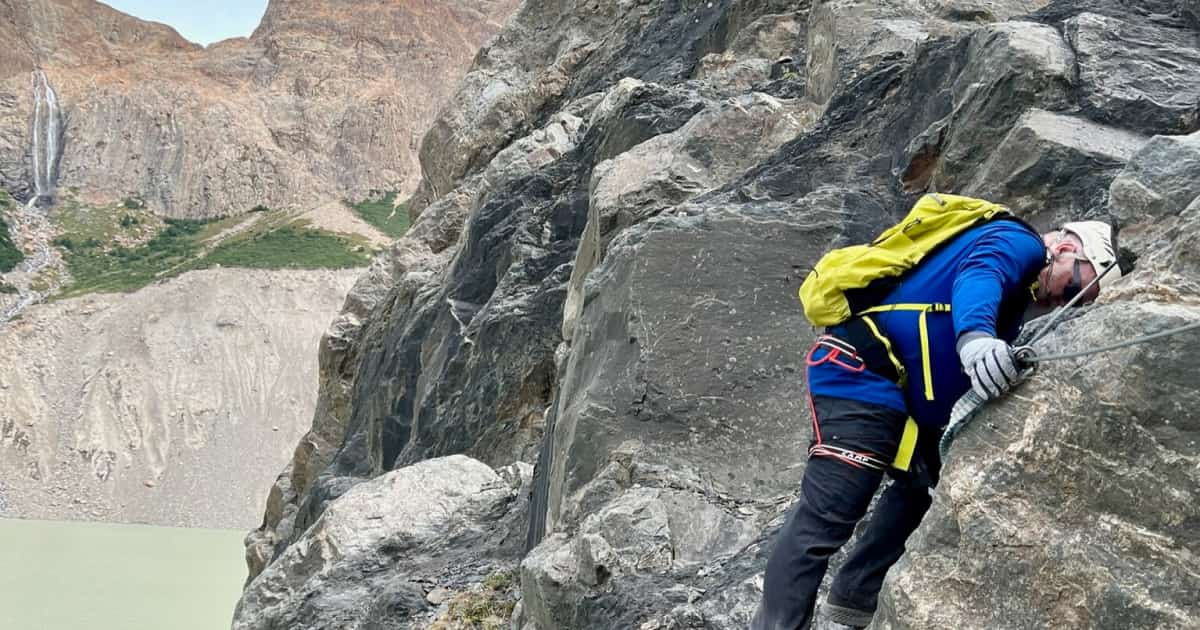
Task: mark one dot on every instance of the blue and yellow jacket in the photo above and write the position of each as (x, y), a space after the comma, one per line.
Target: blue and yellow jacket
(985, 276)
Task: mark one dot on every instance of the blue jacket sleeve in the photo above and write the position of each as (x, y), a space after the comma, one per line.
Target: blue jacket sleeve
(996, 265)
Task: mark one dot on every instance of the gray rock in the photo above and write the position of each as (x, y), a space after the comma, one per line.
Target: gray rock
(773, 36)
(538, 149)
(1138, 73)
(1160, 180)
(370, 558)
(550, 584)
(553, 52)
(1190, 10)
(1053, 168)
(641, 532)
(707, 152)
(1008, 68)
(733, 75)
(848, 37)
(983, 11)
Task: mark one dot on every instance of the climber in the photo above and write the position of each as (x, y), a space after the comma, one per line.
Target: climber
(874, 377)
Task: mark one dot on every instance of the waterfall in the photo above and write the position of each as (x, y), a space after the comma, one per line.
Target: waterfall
(47, 131)
(32, 223)
(37, 129)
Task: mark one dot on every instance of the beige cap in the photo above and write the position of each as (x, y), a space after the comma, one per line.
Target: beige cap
(1097, 246)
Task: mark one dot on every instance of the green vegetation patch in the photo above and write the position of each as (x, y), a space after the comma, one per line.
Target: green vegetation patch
(108, 268)
(383, 214)
(489, 608)
(294, 245)
(103, 226)
(124, 247)
(10, 255)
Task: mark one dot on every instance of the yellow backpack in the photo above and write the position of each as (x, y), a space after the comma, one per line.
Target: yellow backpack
(851, 280)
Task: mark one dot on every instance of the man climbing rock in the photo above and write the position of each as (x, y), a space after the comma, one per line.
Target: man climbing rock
(882, 382)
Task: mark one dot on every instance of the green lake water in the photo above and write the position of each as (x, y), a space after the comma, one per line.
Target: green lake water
(99, 576)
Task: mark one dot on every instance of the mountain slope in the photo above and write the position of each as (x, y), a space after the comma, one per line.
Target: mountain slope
(325, 101)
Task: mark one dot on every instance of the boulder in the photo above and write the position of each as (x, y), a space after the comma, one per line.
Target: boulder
(1190, 10)
(556, 51)
(1160, 180)
(1008, 68)
(1137, 73)
(660, 523)
(1160, 183)
(1052, 168)
(707, 152)
(847, 37)
(711, 149)
(772, 36)
(731, 74)
(376, 552)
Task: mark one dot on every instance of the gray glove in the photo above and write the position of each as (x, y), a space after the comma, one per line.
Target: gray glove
(990, 363)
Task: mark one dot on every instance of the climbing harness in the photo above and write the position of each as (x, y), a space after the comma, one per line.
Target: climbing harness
(878, 359)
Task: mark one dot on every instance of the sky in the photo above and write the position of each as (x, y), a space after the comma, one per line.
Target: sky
(200, 21)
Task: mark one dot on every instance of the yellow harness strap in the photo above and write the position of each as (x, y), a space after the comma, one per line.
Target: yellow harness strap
(908, 441)
(887, 346)
(908, 444)
(924, 309)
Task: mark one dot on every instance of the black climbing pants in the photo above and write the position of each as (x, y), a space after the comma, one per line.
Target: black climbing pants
(834, 496)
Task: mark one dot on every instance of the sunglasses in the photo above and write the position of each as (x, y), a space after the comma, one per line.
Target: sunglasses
(1075, 287)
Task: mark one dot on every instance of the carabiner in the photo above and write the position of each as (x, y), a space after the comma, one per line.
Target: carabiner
(1026, 356)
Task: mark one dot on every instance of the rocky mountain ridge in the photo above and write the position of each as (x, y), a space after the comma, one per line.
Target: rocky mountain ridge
(614, 219)
(324, 101)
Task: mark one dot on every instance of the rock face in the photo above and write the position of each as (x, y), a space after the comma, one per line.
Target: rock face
(604, 266)
(131, 408)
(374, 559)
(325, 101)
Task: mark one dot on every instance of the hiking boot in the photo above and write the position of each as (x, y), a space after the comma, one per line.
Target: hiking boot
(835, 617)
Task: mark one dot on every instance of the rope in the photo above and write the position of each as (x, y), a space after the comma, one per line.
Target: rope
(1115, 346)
